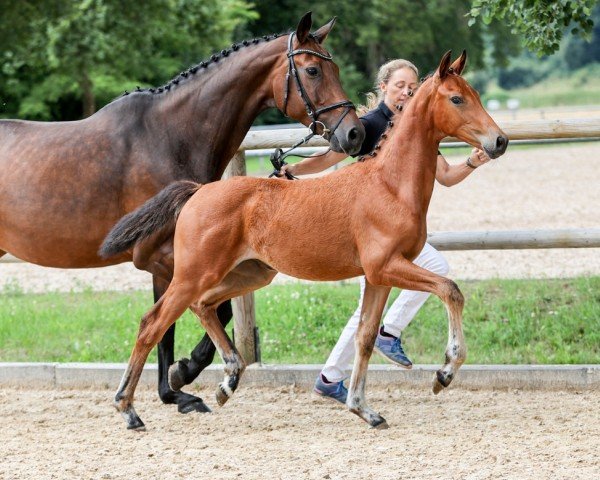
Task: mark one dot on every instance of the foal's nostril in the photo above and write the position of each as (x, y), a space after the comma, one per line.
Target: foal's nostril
(501, 142)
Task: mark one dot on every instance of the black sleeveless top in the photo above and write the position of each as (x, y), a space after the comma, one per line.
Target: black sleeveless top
(375, 123)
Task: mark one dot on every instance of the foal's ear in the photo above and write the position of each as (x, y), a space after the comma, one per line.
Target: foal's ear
(459, 64)
(444, 65)
(304, 27)
(321, 34)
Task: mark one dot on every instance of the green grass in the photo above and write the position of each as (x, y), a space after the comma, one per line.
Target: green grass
(505, 321)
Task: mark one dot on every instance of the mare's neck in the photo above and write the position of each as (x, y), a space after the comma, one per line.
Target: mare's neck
(208, 116)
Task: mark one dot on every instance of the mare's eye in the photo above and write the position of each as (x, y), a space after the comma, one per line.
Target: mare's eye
(456, 100)
(312, 71)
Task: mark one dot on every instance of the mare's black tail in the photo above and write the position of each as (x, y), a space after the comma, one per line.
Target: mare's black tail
(160, 212)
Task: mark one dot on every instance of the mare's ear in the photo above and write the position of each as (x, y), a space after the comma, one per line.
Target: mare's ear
(444, 65)
(304, 27)
(459, 64)
(321, 34)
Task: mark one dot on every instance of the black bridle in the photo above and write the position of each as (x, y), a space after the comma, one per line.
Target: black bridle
(278, 157)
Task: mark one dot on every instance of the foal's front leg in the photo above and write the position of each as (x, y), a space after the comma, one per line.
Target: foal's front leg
(402, 273)
(374, 300)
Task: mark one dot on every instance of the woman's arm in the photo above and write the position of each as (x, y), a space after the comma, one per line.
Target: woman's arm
(449, 175)
(313, 164)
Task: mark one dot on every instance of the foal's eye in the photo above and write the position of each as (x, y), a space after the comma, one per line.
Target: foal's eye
(312, 71)
(456, 100)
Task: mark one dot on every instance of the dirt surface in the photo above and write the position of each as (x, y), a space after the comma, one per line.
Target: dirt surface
(285, 434)
(536, 188)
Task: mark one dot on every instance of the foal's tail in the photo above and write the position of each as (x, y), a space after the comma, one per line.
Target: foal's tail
(158, 213)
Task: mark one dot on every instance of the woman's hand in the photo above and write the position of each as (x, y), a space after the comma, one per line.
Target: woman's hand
(478, 158)
(285, 168)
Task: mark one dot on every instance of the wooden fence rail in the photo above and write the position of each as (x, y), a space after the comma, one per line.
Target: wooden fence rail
(245, 331)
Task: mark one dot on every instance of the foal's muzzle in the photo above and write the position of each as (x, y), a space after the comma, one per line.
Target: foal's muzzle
(496, 146)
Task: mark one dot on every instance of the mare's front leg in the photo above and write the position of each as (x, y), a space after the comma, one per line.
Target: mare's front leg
(402, 273)
(374, 300)
(185, 402)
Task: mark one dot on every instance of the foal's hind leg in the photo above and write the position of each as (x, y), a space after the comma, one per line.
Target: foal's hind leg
(185, 371)
(374, 300)
(248, 276)
(401, 273)
(185, 402)
(155, 255)
(152, 328)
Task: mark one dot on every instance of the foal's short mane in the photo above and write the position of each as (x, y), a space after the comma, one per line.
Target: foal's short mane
(185, 75)
(390, 125)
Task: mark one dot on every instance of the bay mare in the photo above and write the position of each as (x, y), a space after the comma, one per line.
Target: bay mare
(63, 185)
(368, 218)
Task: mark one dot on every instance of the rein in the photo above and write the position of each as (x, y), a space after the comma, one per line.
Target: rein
(278, 156)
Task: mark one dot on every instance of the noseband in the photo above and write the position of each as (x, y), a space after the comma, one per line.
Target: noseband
(277, 158)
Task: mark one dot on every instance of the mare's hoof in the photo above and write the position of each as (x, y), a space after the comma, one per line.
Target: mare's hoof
(222, 394)
(176, 376)
(195, 405)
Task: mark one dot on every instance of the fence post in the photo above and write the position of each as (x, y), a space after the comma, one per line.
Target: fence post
(244, 319)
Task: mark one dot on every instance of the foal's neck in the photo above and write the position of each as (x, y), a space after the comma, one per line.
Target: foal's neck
(409, 155)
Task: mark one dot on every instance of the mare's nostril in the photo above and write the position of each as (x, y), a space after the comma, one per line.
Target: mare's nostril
(353, 134)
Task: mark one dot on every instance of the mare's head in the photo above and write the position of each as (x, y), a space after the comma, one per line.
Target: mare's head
(457, 109)
(307, 87)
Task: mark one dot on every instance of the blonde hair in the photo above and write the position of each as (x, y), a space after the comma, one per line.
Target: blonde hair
(383, 76)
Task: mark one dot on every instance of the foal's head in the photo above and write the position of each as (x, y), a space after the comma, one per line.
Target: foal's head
(458, 111)
(312, 93)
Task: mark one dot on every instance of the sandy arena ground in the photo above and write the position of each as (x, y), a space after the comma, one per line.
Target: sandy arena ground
(285, 434)
(537, 188)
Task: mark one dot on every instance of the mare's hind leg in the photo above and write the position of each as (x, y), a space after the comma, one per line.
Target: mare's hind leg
(248, 276)
(401, 273)
(374, 300)
(152, 328)
(185, 371)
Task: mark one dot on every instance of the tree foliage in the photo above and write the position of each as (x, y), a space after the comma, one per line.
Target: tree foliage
(540, 23)
(69, 54)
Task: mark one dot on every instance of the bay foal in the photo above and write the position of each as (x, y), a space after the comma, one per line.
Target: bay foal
(232, 237)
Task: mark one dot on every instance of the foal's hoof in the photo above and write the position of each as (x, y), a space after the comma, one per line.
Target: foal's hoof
(379, 423)
(437, 386)
(223, 393)
(133, 421)
(176, 376)
(441, 381)
(139, 427)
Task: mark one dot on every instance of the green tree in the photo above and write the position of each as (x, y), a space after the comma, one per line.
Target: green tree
(540, 23)
(81, 51)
